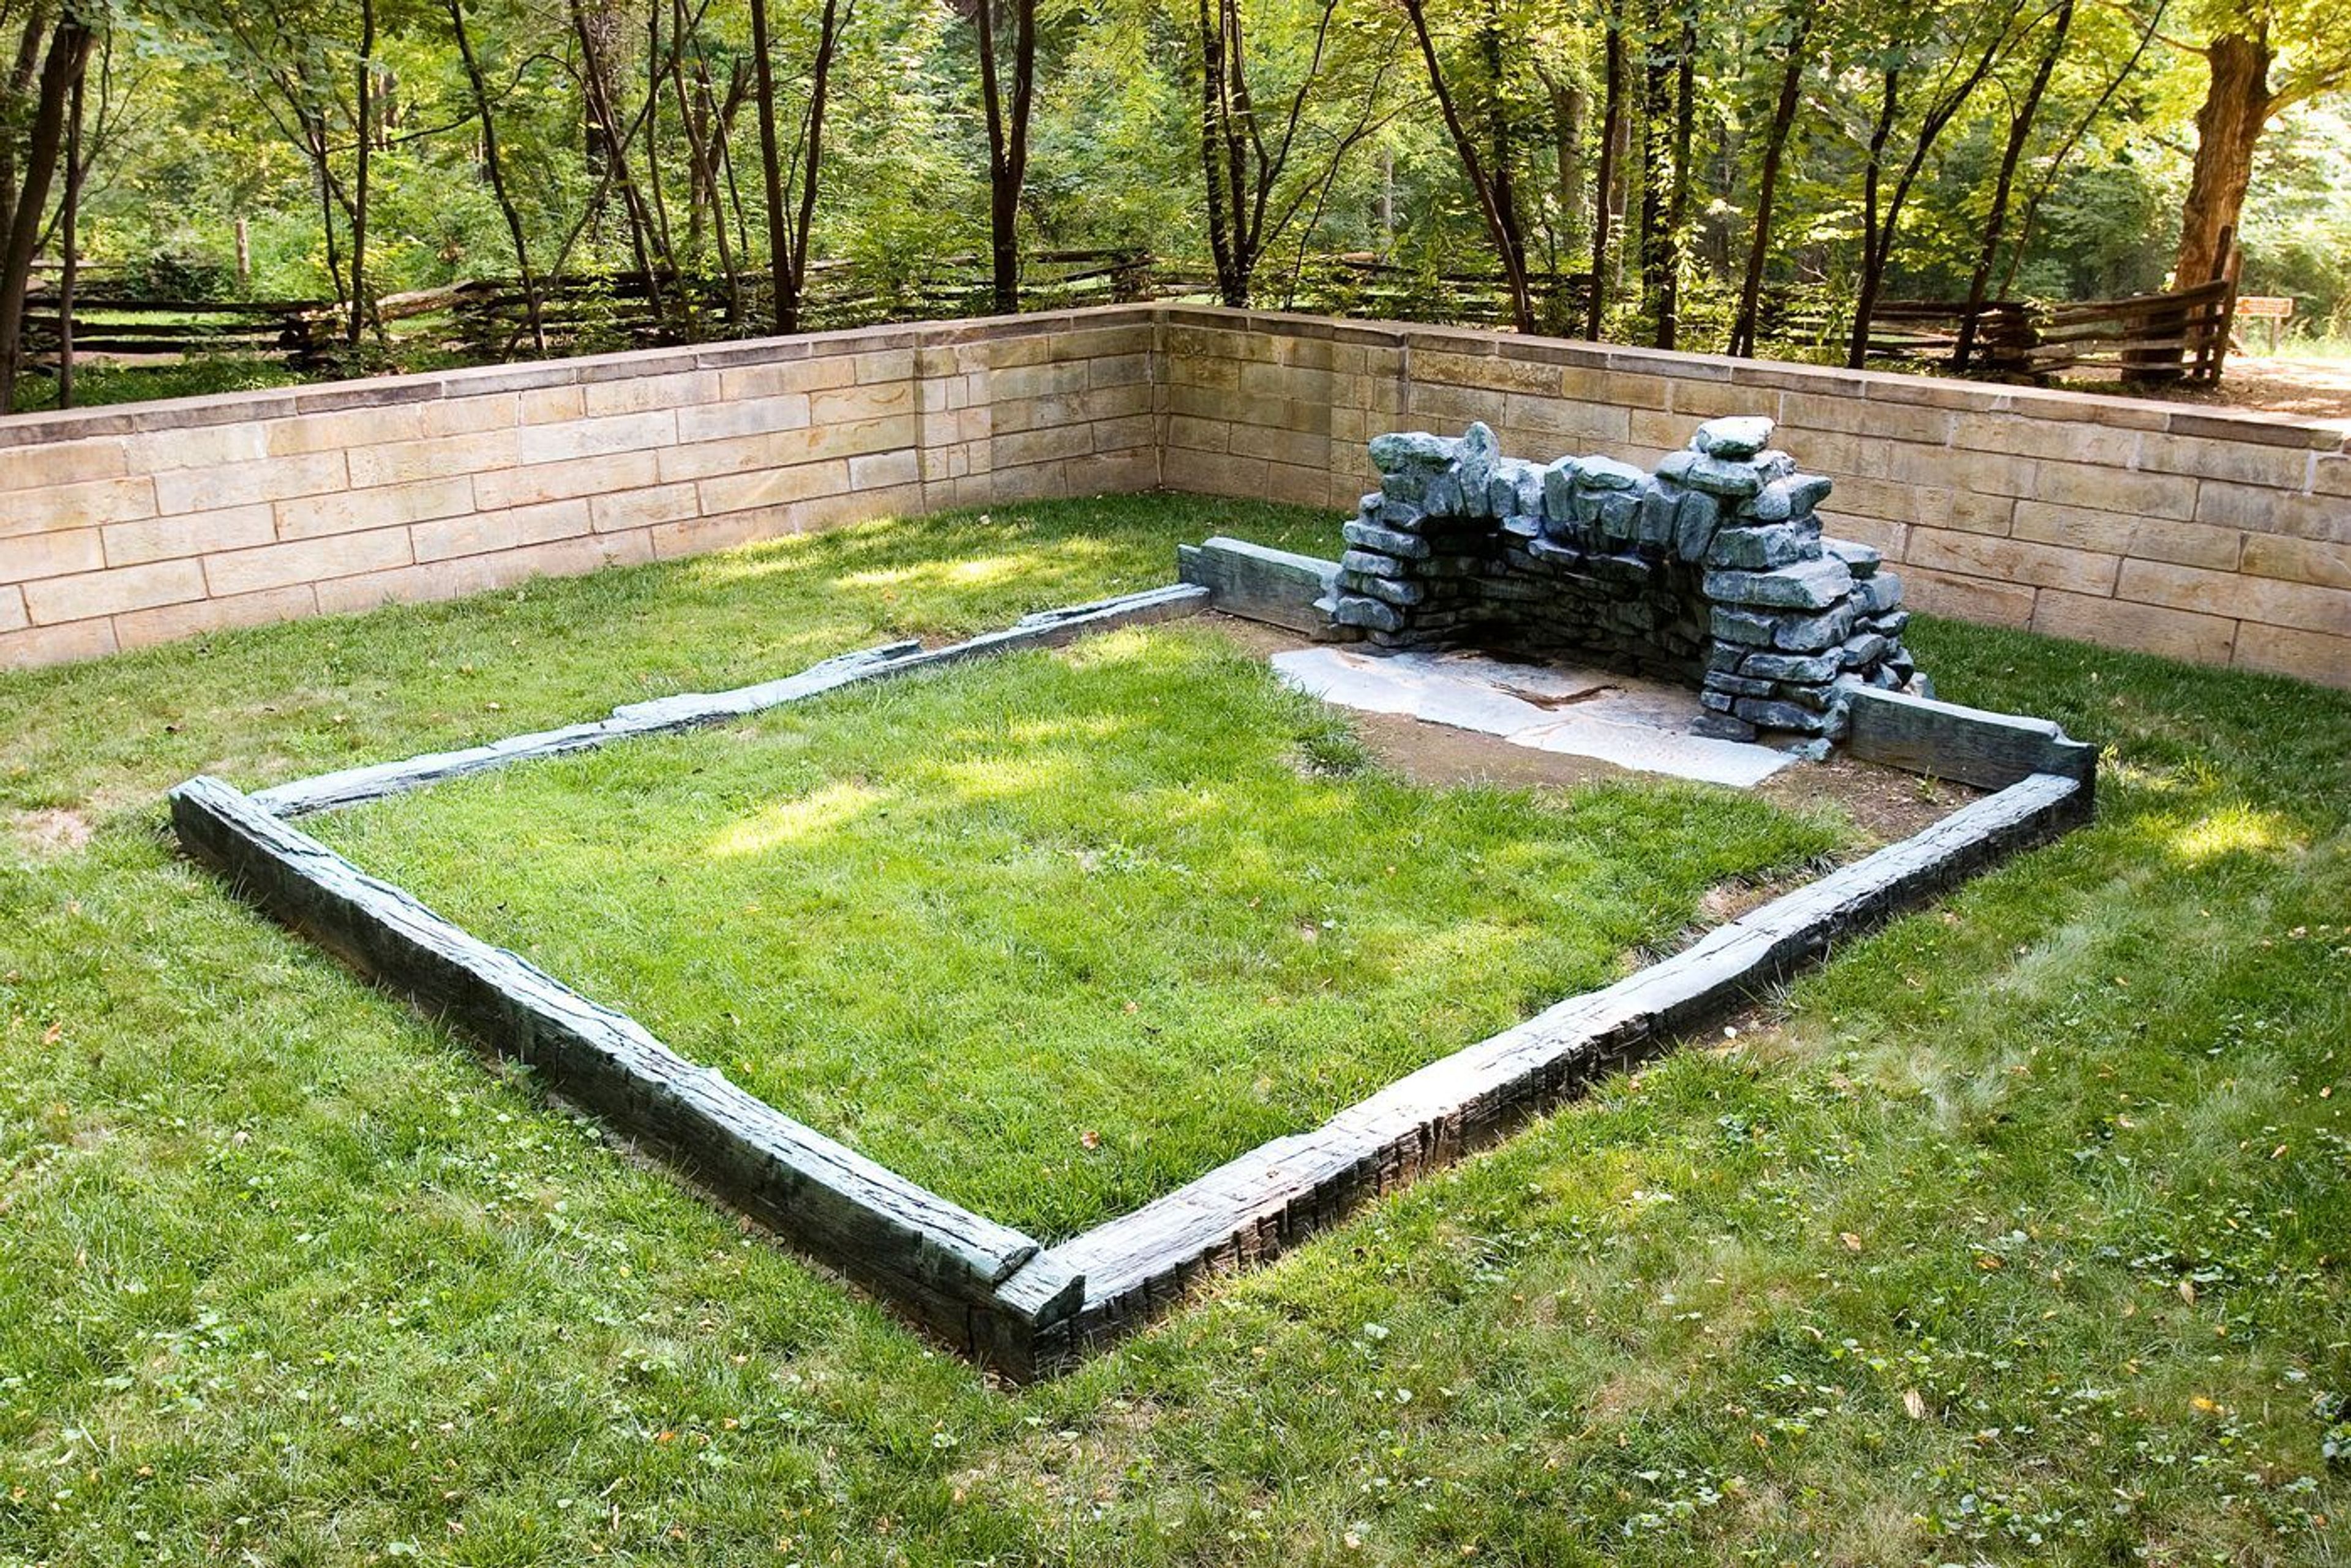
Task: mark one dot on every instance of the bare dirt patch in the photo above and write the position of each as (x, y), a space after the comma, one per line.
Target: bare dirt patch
(1885, 803)
(2308, 389)
(48, 833)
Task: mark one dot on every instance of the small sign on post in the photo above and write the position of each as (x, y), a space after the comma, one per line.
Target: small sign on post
(2276, 309)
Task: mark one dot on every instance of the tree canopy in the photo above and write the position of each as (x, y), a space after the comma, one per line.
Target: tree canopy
(1650, 169)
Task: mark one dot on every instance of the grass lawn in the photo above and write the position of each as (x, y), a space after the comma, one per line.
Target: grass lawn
(1055, 933)
(199, 376)
(2017, 1235)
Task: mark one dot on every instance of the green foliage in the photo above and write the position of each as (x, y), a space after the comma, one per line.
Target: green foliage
(2295, 227)
(207, 107)
(199, 376)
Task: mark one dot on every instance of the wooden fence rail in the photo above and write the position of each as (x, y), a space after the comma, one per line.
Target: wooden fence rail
(2182, 336)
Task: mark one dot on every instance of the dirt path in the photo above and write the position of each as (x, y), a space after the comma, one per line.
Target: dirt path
(2316, 390)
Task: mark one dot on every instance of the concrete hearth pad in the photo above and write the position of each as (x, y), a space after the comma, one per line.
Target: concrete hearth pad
(1622, 720)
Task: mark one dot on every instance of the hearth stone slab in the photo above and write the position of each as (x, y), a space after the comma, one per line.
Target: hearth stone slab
(1636, 724)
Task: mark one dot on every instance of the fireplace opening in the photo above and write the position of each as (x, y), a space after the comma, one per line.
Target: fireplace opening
(1712, 570)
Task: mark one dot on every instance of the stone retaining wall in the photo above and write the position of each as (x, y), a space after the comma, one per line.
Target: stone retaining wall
(2210, 535)
(2220, 536)
(130, 527)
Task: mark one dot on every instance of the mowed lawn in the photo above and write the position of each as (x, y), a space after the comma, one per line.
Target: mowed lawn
(1056, 933)
(2017, 1235)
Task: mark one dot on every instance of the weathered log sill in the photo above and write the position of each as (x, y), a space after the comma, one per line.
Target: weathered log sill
(993, 1293)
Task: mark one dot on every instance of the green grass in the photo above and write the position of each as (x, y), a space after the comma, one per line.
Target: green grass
(1055, 933)
(203, 375)
(287, 1275)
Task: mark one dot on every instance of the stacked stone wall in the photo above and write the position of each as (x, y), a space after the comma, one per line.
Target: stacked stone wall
(1713, 570)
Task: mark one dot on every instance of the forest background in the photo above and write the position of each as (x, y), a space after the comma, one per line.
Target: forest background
(1746, 174)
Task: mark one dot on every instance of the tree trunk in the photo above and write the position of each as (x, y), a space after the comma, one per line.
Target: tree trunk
(496, 164)
(1677, 230)
(725, 197)
(772, 159)
(1241, 166)
(1767, 191)
(1866, 303)
(1216, 155)
(2047, 180)
(828, 29)
(1878, 236)
(1497, 131)
(1569, 105)
(1604, 184)
(1007, 142)
(701, 188)
(1656, 163)
(313, 142)
(1003, 242)
(68, 51)
(2236, 107)
(70, 244)
(1387, 201)
(365, 131)
(644, 235)
(23, 72)
(2020, 133)
(1500, 223)
(655, 186)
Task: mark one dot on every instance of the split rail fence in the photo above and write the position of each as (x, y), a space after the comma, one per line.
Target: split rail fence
(2178, 337)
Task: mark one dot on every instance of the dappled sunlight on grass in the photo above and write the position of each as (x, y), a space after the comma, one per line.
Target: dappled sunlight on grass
(2233, 830)
(2016, 1236)
(262, 704)
(794, 821)
(1055, 932)
(959, 573)
(1037, 732)
(979, 780)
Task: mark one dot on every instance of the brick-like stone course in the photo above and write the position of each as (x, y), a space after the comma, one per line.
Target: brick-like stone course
(121, 527)
(2205, 534)
(2223, 536)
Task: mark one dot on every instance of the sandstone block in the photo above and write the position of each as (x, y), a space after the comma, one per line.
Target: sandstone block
(91, 504)
(30, 556)
(90, 594)
(188, 534)
(306, 560)
(50, 465)
(514, 527)
(191, 617)
(2111, 624)
(535, 482)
